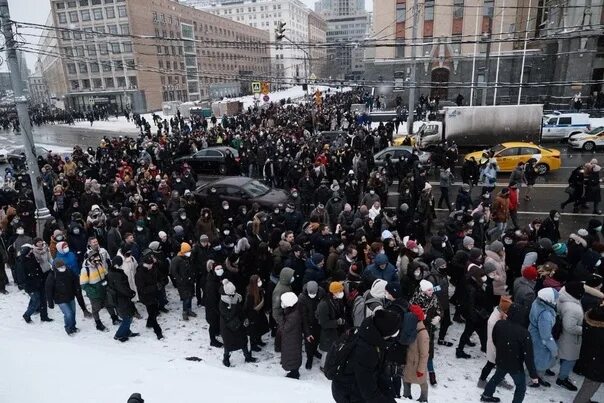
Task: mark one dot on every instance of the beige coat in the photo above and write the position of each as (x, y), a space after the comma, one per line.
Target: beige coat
(417, 357)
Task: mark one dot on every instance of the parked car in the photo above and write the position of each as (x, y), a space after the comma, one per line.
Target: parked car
(241, 190)
(508, 155)
(588, 141)
(561, 126)
(3, 155)
(209, 160)
(18, 154)
(397, 152)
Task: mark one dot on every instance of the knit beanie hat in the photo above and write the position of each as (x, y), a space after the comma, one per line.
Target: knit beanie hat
(317, 258)
(228, 287)
(136, 398)
(378, 288)
(496, 246)
(154, 246)
(545, 243)
(476, 272)
(467, 241)
(59, 263)
(475, 254)
(394, 290)
(530, 273)
(575, 289)
(312, 287)
(439, 262)
(387, 322)
(425, 285)
(184, 248)
(504, 303)
(418, 312)
(288, 299)
(489, 267)
(117, 261)
(336, 287)
(560, 249)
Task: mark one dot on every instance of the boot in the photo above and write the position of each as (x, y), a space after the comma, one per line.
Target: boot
(185, 316)
(46, 319)
(163, 310)
(192, 314)
(27, 318)
(87, 314)
(549, 372)
(462, 354)
(249, 358)
(308, 364)
(215, 343)
(566, 383)
(457, 317)
(261, 343)
(226, 361)
(100, 326)
(543, 382)
(3, 291)
(137, 315)
(485, 398)
(295, 374)
(122, 339)
(115, 320)
(132, 334)
(443, 342)
(160, 336)
(432, 376)
(256, 348)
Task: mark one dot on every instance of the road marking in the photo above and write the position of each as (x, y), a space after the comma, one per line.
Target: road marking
(502, 184)
(546, 213)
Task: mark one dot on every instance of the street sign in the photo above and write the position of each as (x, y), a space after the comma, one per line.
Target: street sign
(265, 88)
(256, 87)
(265, 98)
(313, 77)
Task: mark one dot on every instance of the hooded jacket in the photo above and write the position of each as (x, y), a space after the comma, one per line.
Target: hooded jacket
(284, 285)
(592, 348)
(542, 318)
(374, 271)
(571, 313)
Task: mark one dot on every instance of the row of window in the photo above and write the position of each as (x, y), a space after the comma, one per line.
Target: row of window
(109, 82)
(97, 14)
(84, 3)
(95, 67)
(91, 32)
(102, 49)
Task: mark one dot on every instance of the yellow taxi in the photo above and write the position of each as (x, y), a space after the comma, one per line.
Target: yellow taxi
(508, 155)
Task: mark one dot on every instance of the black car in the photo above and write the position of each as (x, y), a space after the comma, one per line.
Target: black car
(210, 160)
(241, 190)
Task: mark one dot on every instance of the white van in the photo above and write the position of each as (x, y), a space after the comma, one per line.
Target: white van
(560, 126)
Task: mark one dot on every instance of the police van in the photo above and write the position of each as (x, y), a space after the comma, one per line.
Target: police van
(560, 126)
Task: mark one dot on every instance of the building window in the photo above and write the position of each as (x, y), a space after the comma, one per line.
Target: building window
(68, 52)
(62, 18)
(91, 50)
(158, 50)
(89, 34)
(96, 2)
(399, 52)
(121, 11)
(115, 48)
(83, 68)
(110, 12)
(429, 10)
(71, 68)
(86, 84)
(108, 1)
(77, 35)
(97, 83)
(127, 47)
(401, 12)
(94, 67)
(75, 84)
(79, 51)
(60, 6)
(65, 35)
(103, 50)
(71, 4)
(125, 29)
(83, 3)
(458, 8)
(85, 15)
(488, 8)
(109, 83)
(112, 29)
(121, 82)
(133, 82)
(97, 13)
(106, 66)
(73, 16)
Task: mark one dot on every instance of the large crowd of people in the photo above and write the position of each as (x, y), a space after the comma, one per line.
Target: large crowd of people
(343, 281)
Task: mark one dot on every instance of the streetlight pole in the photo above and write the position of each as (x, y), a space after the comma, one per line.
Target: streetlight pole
(412, 81)
(487, 38)
(42, 213)
(499, 53)
(474, 56)
(526, 30)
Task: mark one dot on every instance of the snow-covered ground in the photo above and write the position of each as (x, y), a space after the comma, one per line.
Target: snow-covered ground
(40, 363)
(596, 122)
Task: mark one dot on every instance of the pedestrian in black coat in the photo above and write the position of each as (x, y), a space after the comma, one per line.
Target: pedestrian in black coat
(255, 312)
(514, 349)
(291, 335)
(61, 289)
(212, 301)
(183, 273)
(364, 378)
(120, 297)
(592, 354)
(232, 320)
(309, 300)
(31, 276)
(148, 287)
(477, 309)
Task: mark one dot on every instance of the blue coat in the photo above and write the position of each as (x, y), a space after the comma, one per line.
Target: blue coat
(70, 260)
(313, 273)
(542, 318)
(373, 271)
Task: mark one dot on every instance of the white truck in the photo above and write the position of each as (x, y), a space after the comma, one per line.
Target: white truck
(482, 126)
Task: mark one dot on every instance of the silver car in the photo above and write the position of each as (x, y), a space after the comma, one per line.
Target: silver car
(396, 152)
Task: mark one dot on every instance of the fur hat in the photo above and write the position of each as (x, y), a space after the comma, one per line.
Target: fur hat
(288, 299)
(228, 287)
(336, 287)
(425, 285)
(530, 273)
(387, 322)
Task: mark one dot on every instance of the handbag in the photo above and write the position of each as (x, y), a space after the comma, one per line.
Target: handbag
(569, 190)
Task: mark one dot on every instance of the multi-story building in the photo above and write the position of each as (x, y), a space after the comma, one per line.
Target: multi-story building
(38, 91)
(49, 66)
(136, 54)
(289, 62)
(465, 46)
(317, 37)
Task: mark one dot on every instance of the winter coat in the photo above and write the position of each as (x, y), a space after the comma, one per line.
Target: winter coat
(501, 209)
(308, 307)
(61, 287)
(328, 312)
(592, 350)
(147, 285)
(542, 318)
(592, 298)
(30, 274)
(441, 288)
(291, 338)
(571, 313)
(93, 280)
(418, 353)
(114, 240)
(183, 273)
(477, 306)
(364, 378)
(231, 322)
(122, 294)
(313, 272)
(513, 344)
(256, 316)
(212, 299)
(129, 268)
(70, 260)
(524, 292)
(283, 286)
(495, 317)
(500, 279)
(43, 257)
(373, 271)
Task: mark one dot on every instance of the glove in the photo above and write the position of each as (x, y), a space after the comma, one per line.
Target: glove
(419, 374)
(341, 321)
(435, 320)
(246, 323)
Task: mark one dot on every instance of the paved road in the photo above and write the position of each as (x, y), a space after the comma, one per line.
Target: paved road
(547, 194)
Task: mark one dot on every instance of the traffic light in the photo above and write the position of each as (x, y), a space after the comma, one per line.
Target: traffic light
(280, 31)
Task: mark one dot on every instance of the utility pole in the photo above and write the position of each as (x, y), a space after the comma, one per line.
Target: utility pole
(487, 61)
(412, 81)
(526, 31)
(42, 213)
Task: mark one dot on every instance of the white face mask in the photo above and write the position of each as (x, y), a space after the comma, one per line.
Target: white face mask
(20, 231)
(259, 284)
(139, 228)
(226, 232)
(225, 207)
(66, 250)
(372, 192)
(219, 272)
(484, 278)
(61, 269)
(443, 244)
(598, 262)
(339, 295)
(188, 254)
(183, 217)
(312, 296)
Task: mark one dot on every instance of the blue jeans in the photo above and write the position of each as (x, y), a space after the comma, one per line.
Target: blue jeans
(430, 365)
(124, 329)
(186, 304)
(565, 367)
(35, 298)
(69, 315)
(519, 379)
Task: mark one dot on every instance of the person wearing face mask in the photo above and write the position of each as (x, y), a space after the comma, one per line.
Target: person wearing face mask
(309, 299)
(369, 198)
(78, 241)
(119, 296)
(382, 269)
(31, 277)
(212, 299)
(57, 236)
(114, 237)
(184, 274)
(416, 364)
(199, 256)
(205, 225)
(476, 310)
(440, 282)
(364, 374)
(129, 267)
(550, 227)
(232, 323)
(330, 314)
(142, 235)
(575, 189)
(157, 221)
(255, 313)
(291, 335)
(61, 286)
(147, 286)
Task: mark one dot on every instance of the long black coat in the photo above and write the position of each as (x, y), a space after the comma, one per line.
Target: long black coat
(184, 275)
(256, 316)
(308, 306)
(212, 299)
(592, 349)
(477, 306)
(328, 312)
(231, 324)
(118, 287)
(61, 287)
(146, 285)
(291, 338)
(30, 273)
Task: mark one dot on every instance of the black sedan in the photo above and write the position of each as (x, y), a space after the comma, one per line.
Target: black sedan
(211, 160)
(241, 190)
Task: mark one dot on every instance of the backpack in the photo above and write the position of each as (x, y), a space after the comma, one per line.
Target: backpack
(339, 354)
(557, 329)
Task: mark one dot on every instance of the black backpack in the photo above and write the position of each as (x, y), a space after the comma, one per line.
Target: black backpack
(339, 354)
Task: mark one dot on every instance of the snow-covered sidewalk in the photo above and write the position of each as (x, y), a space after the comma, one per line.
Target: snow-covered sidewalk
(40, 363)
